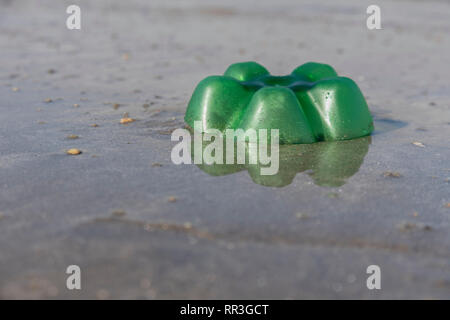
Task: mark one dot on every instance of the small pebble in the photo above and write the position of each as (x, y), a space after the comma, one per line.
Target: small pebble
(72, 136)
(391, 174)
(418, 144)
(76, 105)
(94, 125)
(172, 199)
(15, 89)
(156, 164)
(48, 100)
(126, 120)
(73, 151)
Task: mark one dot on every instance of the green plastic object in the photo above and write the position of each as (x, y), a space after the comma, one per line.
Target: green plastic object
(311, 104)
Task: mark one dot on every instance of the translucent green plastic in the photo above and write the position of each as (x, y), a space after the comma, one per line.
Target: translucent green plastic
(311, 104)
(327, 163)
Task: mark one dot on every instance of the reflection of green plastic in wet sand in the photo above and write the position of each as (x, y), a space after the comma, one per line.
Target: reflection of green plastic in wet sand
(328, 163)
(311, 104)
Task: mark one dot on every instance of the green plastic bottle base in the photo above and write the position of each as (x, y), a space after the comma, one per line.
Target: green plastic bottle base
(311, 104)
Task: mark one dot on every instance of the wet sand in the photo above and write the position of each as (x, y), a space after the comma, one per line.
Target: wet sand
(142, 227)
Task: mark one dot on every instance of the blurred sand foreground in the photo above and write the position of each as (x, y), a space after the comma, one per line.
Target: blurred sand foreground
(140, 227)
